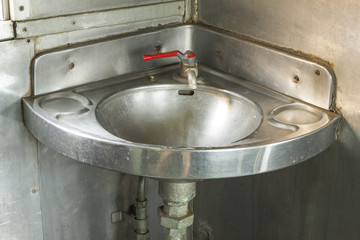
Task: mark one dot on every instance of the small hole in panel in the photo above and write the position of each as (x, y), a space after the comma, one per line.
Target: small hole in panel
(296, 79)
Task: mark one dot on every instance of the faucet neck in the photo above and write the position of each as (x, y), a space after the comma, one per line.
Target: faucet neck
(189, 67)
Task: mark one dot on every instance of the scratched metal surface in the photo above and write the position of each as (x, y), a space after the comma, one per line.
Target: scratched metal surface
(4, 10)
(35, 9)
(78, 200)
(20, 215)
(315, 200)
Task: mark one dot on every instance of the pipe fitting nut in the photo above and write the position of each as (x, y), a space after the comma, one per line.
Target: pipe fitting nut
(175, 222)
(139, 204)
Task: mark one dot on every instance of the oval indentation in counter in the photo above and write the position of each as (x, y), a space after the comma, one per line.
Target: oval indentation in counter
(296, 114)
(65, 104)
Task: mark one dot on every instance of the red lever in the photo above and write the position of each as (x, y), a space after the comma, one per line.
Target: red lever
(165, 55)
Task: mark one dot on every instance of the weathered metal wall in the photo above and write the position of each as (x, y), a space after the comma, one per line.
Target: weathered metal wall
(20, 215)
(73, 196)
(77, 200)
(35, 9)
(319, 198)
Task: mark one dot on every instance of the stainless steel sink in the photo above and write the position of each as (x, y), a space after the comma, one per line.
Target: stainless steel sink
(149, 125)
(173, 116)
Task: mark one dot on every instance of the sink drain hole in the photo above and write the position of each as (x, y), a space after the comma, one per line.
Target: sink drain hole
(186, 92)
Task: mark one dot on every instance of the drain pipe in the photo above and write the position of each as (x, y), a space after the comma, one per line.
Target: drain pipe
(176, 215)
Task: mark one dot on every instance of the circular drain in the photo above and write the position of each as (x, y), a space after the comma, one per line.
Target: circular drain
(296, 114)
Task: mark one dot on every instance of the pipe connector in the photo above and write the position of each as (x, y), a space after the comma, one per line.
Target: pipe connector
(176, 215)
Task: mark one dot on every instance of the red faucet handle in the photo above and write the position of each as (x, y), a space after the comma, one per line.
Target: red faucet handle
(160, 55)
(168, 54)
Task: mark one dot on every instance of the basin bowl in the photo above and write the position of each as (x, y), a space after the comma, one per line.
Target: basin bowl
(180, 118)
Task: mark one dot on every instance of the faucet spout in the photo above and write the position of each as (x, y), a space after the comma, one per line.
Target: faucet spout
(191, 76)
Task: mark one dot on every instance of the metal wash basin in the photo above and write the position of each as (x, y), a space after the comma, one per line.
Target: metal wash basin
(169, 116)
(148, 124)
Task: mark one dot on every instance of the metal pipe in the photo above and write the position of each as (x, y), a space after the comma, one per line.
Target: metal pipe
(141, 189)
(141, 210)
(176, 215)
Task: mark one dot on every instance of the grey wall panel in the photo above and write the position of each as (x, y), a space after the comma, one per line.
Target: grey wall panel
(6, 30)
(319, 198)
(78, 200)
(20, 215)
(122, 16)
(35, 9)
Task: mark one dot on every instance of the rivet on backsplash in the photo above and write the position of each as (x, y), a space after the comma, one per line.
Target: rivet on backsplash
(151, 79)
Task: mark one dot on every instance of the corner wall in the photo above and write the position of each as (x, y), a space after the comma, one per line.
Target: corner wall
(34, 27)
(319, 198)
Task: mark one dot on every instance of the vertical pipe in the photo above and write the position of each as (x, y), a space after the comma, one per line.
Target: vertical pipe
(141, 210)
(175, 215)
(141, 190)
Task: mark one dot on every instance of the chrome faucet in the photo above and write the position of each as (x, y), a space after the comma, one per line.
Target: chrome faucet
(189, 68)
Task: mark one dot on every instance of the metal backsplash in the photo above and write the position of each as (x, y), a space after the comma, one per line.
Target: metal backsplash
(102, 60)
(297, 76)
(281, 71)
